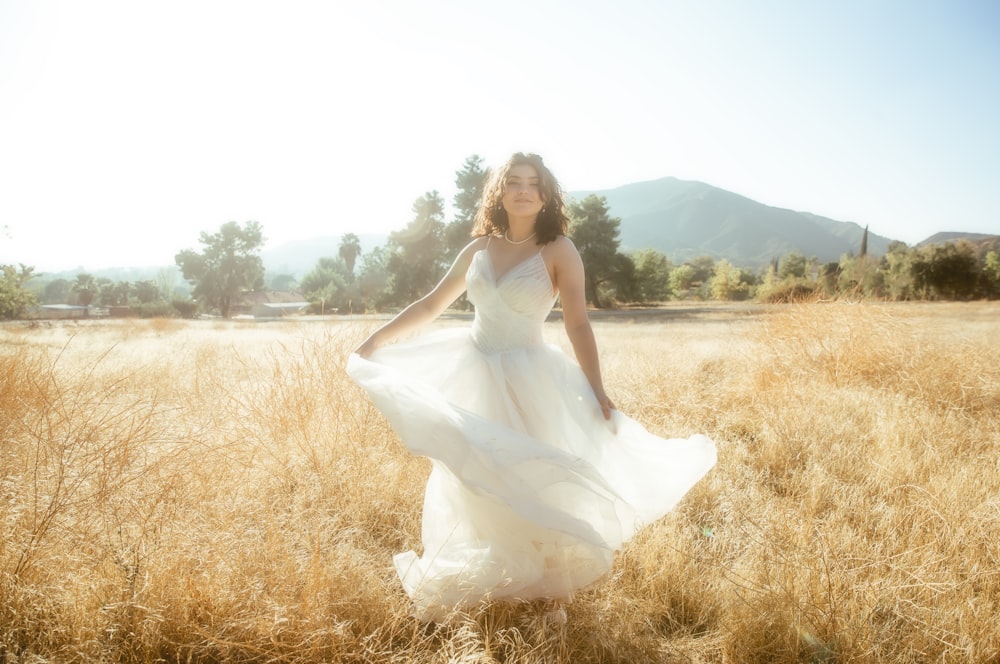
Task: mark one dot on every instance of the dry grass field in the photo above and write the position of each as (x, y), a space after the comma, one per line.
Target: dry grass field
(220, 491)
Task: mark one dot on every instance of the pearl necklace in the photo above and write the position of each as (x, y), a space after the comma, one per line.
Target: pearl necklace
(506, 236)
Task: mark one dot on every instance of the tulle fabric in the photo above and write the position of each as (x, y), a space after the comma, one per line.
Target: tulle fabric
(531, 491)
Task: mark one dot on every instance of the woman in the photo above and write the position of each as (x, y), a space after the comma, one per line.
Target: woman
(536, 478)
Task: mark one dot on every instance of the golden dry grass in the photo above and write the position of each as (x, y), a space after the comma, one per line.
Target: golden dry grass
(193, 491)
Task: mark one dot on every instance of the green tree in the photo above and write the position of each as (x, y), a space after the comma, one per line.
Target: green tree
(947, 271)
(85, 288)
(749, 277)
(625, 285)
(861, 276)
(792, 266)
(726, 282)
(326, 285)
(56, 292)
(148, 291)
(107, 292)
(704, 268)
(417, 257)
(228, 266)
(991, 273)
(166, 282)
(595, 233)
(349, 250)
(652, 275)
(470, 181)
(373, 277)
(897, 266)
(829, 277)
(681, 280)
(114, 293)
(184, 308)
(14, 297)
(769, 284)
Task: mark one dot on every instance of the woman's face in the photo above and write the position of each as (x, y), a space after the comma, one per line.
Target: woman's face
(522, 195)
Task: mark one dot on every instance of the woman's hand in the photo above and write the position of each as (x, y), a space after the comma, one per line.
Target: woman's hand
(367, 347)
(605, 402)
(427, 308)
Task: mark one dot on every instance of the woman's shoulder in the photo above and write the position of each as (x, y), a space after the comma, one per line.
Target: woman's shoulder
(562, 246)
(474, 247)
(476, 244)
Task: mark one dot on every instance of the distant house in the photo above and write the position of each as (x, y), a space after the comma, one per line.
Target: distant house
(274, 304)
(67, 311)
(277, 309)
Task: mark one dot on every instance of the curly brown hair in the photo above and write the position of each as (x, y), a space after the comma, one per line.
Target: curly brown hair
(491, 217)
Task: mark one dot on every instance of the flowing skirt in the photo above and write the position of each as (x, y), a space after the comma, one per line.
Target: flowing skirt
(531, 489)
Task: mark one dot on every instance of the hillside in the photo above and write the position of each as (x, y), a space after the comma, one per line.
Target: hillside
(682, 219)
(942, 238)
(685, 219)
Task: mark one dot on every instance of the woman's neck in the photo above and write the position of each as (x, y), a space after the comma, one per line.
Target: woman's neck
(520, 228)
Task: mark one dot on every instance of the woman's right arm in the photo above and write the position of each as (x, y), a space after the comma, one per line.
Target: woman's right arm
(427, 308)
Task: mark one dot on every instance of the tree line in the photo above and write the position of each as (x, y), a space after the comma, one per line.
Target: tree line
(228, 269)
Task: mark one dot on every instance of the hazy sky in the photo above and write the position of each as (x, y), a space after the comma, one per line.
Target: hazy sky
(127, 128)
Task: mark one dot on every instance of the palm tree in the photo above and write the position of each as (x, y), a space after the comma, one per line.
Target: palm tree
(350, 249)
(85, 289)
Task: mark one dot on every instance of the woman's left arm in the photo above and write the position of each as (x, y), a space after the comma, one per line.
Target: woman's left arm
(569, 279)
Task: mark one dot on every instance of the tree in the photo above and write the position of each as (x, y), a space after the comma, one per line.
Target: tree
(14, 297)
(326, 285)
(792, 266)
(681, 280)
(373, 278)
(470, 181)
(704, 268)
(116, 293)
(417, 254)
(652, 275)
(349, 250)
(991, 273)
(228, 266)
(166, 282)
(56, 292)
(595, 233)
(949, 271)
(85, 287)
(897, 267)
(768, 286)
(726, 283)
(625, 284)
(829, 277)
(147, 291)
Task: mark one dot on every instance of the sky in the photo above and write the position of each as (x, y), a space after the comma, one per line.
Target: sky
(127, 128)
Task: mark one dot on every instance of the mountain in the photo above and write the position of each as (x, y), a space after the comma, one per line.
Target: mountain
(685, 219)
(942, 238)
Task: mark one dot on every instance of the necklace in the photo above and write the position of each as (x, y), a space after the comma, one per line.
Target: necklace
(506, 236)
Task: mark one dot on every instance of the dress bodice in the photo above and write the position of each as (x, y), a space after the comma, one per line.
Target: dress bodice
(510, 309)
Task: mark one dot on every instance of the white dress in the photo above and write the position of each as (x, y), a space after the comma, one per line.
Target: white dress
(531, 490)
